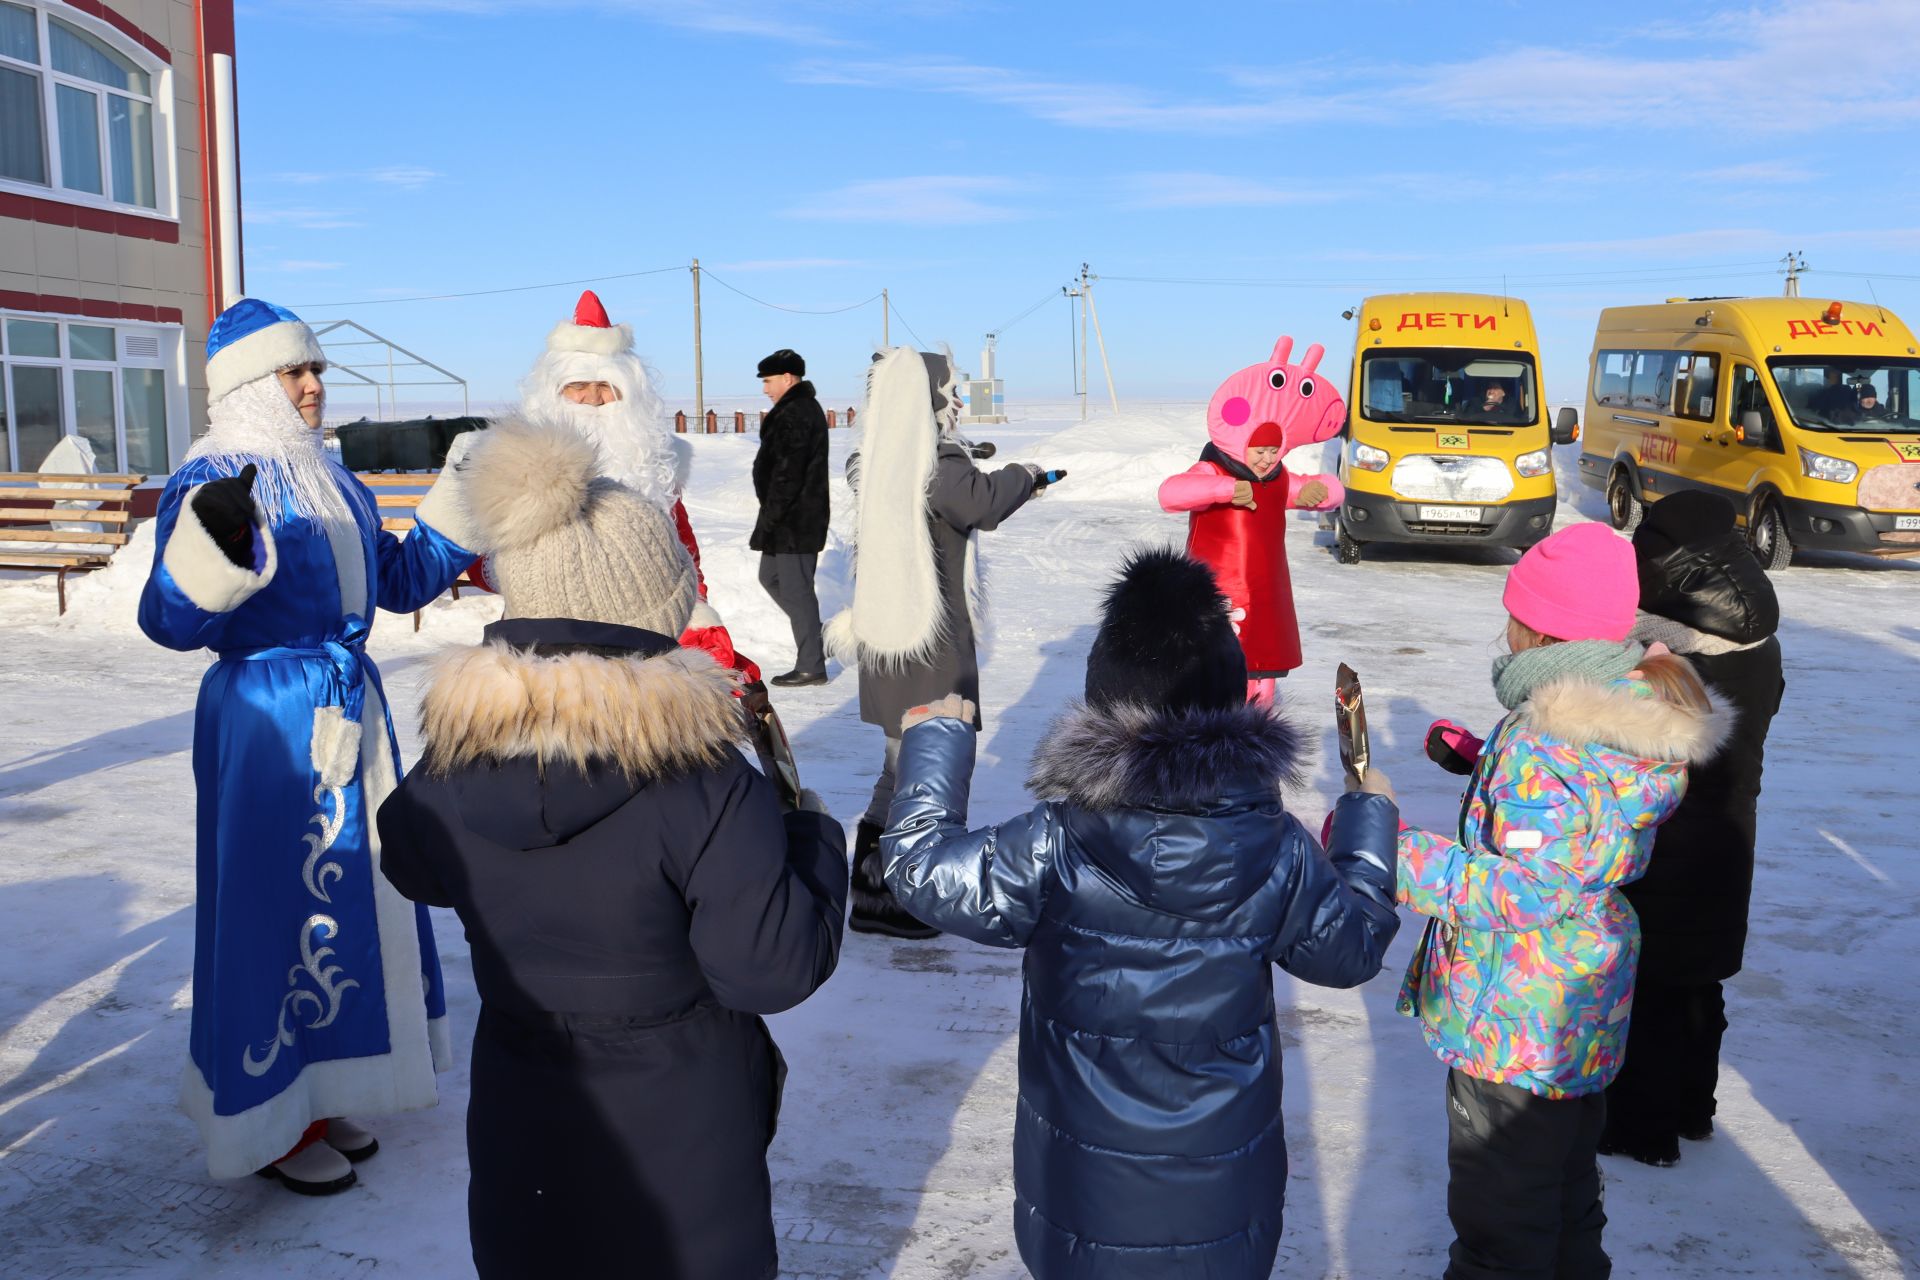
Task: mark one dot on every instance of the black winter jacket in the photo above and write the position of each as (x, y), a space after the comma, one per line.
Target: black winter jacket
(790, 476)
(634, 899)
(1714, 604)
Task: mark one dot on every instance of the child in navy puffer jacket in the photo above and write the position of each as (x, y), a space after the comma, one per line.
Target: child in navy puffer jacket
(1152, 897)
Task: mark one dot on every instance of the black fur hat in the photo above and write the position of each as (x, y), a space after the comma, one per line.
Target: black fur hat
(1164, 639)
(785, 360)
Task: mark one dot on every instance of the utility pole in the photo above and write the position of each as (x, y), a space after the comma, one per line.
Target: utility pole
(699, 373)
(1086, 382)
(1796, 262)
(886, 315)
(1086, 284)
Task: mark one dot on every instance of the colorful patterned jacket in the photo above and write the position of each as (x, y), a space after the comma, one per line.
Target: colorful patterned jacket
(1525, 975)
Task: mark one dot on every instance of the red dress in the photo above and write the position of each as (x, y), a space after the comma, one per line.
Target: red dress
(1247, 551)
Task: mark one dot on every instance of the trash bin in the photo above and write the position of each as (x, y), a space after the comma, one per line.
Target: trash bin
(417, 444)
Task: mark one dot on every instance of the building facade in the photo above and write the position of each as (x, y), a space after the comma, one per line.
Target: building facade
(119, 224)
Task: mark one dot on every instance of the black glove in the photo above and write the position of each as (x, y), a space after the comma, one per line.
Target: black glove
(983, 450)
(225, 510)
(1041, 477)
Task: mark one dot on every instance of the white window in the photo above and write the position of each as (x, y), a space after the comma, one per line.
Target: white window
(81, 111)
(103, 381)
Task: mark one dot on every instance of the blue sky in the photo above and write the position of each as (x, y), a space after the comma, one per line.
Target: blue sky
(969, 156)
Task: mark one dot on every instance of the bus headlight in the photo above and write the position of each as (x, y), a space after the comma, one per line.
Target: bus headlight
(1818, 466)
(1368, 458)
(1537, 463)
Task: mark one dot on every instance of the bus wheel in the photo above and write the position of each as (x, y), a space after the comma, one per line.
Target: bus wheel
(1767, 535)
(1624, 507)
(1346, 548)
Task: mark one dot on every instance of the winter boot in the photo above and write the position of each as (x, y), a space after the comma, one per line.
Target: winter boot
(314, 1170)
(874, 907)
(351, 1140)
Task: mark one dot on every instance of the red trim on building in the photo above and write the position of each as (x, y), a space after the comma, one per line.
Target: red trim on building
(125, 26)
(58, 213)
(57, 304)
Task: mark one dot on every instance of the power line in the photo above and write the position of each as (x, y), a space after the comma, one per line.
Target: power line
(1861, 275)
(484, 293)
(1045, 298)
(904, 325)
(803, 311)
(1546, 279)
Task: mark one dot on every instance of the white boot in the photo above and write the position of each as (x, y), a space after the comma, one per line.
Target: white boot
(318, 1170)
(351, 1140)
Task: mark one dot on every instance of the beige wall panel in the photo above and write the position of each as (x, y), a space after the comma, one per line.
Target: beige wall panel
(19, 282)
(136, 263)
(16, 245)
(99, 260)
(56, 255)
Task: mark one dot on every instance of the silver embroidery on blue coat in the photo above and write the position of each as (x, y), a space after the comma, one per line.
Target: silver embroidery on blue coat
(322, 1000)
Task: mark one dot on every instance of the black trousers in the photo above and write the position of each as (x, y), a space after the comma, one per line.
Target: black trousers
(788, 578)
(1672, 1065)
(1523, 1183)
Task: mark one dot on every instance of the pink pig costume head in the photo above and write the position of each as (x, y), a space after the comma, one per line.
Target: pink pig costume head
(1275, 402)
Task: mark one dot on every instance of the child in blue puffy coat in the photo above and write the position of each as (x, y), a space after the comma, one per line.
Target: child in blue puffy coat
(1153, 891)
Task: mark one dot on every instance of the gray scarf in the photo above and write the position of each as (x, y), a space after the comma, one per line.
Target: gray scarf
(1517, 675)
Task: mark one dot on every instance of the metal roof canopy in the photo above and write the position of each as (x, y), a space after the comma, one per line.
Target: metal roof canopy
(358, 372)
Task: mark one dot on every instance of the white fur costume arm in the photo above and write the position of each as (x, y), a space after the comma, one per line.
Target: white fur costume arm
(445, 508)
(201, 569)
(896, 616)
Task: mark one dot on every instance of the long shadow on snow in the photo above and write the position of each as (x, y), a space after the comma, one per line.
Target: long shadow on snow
(892, 1048)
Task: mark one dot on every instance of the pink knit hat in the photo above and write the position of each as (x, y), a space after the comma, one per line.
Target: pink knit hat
(1578, 584)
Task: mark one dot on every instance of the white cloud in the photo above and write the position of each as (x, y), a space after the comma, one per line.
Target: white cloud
(392, 175)
(1794, 67)
(921, 201)
(1216, 190)
(302, 219)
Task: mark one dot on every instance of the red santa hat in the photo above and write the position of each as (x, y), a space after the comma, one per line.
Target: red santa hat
(590, 330)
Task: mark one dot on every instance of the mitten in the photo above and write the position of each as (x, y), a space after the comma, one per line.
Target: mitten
(1452, 747)
(225, 510)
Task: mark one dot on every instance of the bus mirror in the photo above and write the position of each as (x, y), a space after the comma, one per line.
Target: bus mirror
(1566, 425)
(1753, 429)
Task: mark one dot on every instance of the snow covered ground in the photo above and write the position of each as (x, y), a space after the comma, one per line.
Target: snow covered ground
(893, 1156)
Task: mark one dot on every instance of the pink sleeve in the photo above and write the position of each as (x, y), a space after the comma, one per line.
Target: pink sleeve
(1336, 492)
(1201, 485)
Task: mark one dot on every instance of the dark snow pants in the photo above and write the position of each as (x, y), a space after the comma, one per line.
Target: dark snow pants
(1523, 1185)
(788, 578)
(1672, 1064)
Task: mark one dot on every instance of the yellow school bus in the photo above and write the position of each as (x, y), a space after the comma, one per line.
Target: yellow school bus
(1805, 412)
(1447, 440)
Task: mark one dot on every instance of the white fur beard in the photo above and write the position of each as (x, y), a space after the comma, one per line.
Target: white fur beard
(634, 451)
(255, 422)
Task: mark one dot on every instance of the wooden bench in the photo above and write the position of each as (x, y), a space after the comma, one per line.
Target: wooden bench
(396, 509)
(24, 502)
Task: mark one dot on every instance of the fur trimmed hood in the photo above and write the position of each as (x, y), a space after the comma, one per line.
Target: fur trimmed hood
(1619, 715)
(1137, 757)
(648, 714)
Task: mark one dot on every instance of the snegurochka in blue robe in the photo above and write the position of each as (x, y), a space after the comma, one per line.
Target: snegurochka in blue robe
(316, 987)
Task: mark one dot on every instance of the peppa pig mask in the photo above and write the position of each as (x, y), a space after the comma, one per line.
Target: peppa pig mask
(1275, 402)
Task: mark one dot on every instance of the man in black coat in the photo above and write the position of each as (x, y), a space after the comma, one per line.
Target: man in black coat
(1703, 595)
(790, 479)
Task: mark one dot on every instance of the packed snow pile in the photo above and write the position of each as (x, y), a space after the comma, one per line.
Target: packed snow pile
(894, 1149)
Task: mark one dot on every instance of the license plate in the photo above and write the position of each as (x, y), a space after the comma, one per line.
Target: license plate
(1907, 524)
(1451, 515)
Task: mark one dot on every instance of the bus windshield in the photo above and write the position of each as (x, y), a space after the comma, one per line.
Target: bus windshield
(1448, 385)
(1850, 393)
